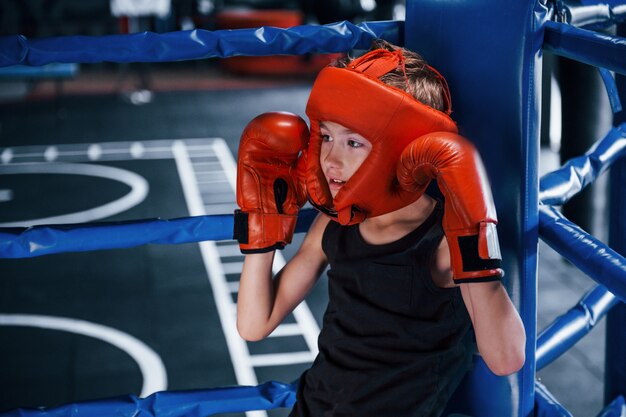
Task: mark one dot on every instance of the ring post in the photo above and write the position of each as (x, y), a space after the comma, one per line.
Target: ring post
(615, 354)
(490, 53)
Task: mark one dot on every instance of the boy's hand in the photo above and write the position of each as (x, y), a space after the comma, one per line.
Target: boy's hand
(469, 219)
(270, 181)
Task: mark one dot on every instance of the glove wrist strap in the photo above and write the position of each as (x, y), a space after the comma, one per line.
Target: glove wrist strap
(473, 258)
(261, 232)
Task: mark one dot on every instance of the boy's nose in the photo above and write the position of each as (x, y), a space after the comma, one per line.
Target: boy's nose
(333, 157)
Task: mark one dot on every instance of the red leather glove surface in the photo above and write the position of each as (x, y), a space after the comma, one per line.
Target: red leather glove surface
(469, 220)
(270, 181)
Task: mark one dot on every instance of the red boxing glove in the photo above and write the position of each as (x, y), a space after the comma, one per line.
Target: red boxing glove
(270, 181)
(469, 219)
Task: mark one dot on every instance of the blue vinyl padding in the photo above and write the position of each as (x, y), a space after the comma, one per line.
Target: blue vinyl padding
(197, 403)
(196, 44)
(569, 328)
(546, 405)
(591, 14)
(617, 408)
(586, 46)
(28, 242)
(54, 70)
(490, 53)
(587, 252)
(557, 187)
(611, 90)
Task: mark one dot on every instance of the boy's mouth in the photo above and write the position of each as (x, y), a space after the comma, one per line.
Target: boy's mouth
(335, 184)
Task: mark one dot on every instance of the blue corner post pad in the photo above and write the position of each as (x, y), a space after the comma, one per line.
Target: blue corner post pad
(197, 403)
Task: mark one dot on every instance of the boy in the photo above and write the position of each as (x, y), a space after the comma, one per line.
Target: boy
(410, 277)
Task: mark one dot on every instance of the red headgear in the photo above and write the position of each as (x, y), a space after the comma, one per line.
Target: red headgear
(386, 116)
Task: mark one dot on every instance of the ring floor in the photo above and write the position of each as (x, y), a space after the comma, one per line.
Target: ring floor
(160, 294)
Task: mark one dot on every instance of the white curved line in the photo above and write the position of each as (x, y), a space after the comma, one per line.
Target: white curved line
(138, 192)
(150, 364)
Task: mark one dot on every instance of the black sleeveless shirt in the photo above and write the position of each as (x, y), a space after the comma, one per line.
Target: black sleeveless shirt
(393, 344)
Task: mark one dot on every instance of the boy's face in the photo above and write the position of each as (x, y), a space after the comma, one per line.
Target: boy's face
(342, 153)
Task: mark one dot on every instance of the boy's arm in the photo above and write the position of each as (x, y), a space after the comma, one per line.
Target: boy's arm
(263, 302)
(499, 330)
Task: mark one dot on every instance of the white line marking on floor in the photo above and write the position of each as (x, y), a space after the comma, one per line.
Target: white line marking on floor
(51, 154)
(233, 286)
(285, 358)
(137, 150)
(138, 190)
(230, 250)
(94, 152)
(238, 350)
(6, 195)
(150, 363)
(286, 329)
(232, 267)
(227, 162)
(6, 156)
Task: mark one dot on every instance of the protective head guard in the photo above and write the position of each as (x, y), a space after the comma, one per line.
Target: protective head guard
(388, 117)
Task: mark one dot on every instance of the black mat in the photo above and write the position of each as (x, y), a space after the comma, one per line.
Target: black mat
(158, 294)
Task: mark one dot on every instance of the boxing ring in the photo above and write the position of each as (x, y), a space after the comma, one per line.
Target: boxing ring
(496, 84)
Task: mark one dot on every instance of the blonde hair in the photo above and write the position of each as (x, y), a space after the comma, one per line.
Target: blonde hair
(421, 81)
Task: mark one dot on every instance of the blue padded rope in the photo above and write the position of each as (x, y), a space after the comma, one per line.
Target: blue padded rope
(588, 253)
(611, 89)
(591, 14)
(197, 44)
(28, 242)
(591, 256)
(557, 187)
(569, 328)
(584, 45)
(617, 408)
(58, 71)
(196, 403)
(597, 49)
